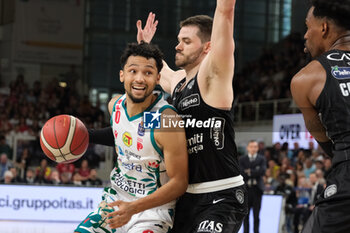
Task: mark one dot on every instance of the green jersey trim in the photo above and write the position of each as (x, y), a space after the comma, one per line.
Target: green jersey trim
(141, 113)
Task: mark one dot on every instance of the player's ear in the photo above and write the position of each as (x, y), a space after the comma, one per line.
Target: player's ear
(207, 47)
(121, 76)
(158, 78)
(325, 27)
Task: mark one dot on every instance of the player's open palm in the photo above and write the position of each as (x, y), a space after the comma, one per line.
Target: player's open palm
(146, 34)
(121, 216)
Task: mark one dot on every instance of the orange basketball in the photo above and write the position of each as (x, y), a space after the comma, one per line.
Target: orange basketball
(64, 138)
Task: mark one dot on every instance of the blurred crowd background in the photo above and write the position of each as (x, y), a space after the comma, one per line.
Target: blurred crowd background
(269, 40)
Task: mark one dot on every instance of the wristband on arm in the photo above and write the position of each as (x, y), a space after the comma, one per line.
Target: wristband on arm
(327, 147)
(102, 136)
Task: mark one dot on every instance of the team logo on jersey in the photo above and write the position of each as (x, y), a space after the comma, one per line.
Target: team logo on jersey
(127, 139)
(189, 101)
(141, 129)
(240, 196)
(341, 72)
(339, 57)
(330, 191)
(151, 120)
(139, 144)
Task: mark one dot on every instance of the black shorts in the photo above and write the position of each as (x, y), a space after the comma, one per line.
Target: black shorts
(332, 211)
(221, 211)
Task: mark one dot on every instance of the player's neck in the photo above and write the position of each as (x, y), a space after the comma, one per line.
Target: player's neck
(342, 42)
(191, 72)
(137, 108)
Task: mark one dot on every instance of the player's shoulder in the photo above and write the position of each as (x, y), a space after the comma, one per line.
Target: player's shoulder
(113, 101)
(310, 73)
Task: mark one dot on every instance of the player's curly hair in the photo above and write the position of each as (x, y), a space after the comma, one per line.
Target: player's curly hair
(203, 22)
(144, 50)
(336, 10)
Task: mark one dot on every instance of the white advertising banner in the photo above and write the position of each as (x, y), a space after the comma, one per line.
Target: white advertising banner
(47, 203)
(49, 31)
(291, 128)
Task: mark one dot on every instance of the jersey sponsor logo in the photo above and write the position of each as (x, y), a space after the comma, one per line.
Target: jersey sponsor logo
(132, 166)
(139, 144)
(117, 111)
(240, 196)
(115, 134)
(339, 56)
(151, 120)
(345, 88)
(147, 231)
(217, 133)
(340, 72)
(129, 184)
(210, 226)
(189, 101)
(127, 139)
(195, 143)
(330, 191)
(141, 129)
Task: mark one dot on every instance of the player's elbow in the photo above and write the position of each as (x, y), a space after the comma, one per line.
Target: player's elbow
(181, 185)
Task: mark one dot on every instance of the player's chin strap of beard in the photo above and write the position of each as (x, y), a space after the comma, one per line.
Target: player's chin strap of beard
(102, 136)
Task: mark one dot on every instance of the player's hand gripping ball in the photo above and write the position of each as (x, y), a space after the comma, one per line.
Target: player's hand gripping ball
(64, 139)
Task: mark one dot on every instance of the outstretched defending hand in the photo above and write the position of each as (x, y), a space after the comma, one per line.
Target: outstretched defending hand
(146, 34)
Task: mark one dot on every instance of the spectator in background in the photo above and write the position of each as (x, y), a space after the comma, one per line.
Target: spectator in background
(8, 177)
(66, 168)
(93, 179)
(4, 147)
(309, 167)
(285, 152)
(327, 166)
(43, 173)
(83, 172)
(55, 177)
(302, 211)
(274, 168)
(5, 165)
(253, 168)
(316, 190)
(24, 161)
(66, 179)
(30, 177)
(16, 178)
(262, 148)
(287, 191)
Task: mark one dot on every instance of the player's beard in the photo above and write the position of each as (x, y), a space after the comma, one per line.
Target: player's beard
(186, 60)
(138, 99)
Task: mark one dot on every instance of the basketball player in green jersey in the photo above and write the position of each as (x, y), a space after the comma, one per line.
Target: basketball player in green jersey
(151, 170)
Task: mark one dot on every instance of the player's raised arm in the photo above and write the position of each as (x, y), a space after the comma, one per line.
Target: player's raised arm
(217, 69)
(169, 77)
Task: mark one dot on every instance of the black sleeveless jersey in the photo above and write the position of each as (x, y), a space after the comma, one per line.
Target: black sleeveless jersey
(333, 104)
(210, 135)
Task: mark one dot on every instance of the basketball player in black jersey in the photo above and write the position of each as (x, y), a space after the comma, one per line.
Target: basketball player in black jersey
(322, 92)
(216, 199)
